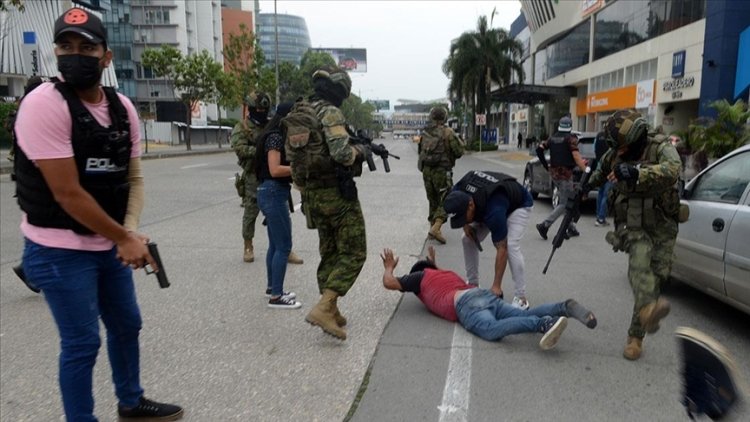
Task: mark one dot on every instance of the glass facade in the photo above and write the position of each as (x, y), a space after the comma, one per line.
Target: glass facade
(623, 23)
(294, 40)
(570, 51)
(120, 41)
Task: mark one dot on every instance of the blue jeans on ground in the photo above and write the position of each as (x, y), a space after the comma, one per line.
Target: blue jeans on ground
(273, 197)
(484, 314)
(601, 201)
(81, 286)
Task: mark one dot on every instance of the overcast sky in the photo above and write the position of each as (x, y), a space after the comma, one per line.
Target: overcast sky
(406, 41)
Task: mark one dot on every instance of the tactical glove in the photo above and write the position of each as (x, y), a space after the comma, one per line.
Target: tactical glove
(362, 151)
(626, 172)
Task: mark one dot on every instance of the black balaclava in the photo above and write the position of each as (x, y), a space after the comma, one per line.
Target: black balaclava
(635, 150)
(329, 91)
(258, 116)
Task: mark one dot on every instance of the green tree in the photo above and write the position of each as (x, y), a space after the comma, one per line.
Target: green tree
(193, 77)
(6, 4)
(477, 59)
(358, 113)
(720, 136)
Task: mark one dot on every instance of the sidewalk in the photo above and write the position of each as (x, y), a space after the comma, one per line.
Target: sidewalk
(155, 150)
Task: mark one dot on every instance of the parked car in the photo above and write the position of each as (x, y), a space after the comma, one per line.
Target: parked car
(712, 252)
(536, 178)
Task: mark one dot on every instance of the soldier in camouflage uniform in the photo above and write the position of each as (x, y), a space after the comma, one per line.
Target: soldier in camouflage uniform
(338, 219)
(646, 207)
(439, 148)
(243, 143)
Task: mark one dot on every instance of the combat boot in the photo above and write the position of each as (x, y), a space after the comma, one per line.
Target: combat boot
(435, 233)
(651, 314)
(340, 319)
(633, 349)
(323, 315)
(248, 256)
(294, 259)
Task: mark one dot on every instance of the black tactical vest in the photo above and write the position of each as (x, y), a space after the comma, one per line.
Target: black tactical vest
(482, 184)
(102, 157)
(559, 150)
(263, 172)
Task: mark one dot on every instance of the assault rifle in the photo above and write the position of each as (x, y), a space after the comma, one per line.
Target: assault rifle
(360, 138)
(572, 214)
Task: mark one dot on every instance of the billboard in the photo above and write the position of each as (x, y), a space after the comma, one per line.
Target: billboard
(349, 59)
(380, 104)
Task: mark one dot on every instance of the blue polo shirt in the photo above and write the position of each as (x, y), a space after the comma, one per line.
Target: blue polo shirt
(496, 213)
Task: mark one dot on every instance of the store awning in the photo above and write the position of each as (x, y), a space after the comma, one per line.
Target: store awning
(531, 94)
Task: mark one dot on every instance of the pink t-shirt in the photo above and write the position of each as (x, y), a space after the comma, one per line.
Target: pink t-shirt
(44, 128)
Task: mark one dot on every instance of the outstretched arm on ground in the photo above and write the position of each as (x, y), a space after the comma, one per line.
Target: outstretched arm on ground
(390, 261)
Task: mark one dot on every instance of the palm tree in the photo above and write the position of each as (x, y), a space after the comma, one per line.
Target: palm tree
(477, 59)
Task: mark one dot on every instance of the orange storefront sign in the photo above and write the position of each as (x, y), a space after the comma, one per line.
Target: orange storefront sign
(607, 100)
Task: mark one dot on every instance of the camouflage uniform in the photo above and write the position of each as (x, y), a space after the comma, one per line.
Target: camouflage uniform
(243, 143)
(340, 224)
(646, 215)
(438, 179)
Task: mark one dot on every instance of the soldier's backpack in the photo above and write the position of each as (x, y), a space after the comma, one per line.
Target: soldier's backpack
(433, 146)
(305, 145)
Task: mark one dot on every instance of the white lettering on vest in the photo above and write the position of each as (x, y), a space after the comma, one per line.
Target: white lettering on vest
(100, 165)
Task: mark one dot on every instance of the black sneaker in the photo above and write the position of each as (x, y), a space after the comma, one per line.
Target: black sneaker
(710, 383)
(601, 223)
(552, 327)
(572, 232)
(18, 269)
(542, 229)
(288, 295)
(283, 302)
(149, 410)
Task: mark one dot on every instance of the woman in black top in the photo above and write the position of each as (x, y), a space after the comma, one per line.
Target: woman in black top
(274, 175)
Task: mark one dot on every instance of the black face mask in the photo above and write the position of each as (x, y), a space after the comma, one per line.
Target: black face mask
(258, 117)
(82, 72)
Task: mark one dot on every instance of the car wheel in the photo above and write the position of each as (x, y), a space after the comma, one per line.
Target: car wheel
(527, 184)
(555, 197)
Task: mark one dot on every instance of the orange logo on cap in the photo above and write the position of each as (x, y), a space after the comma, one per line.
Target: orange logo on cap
(76, 17)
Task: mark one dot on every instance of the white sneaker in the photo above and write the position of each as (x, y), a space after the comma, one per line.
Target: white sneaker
(520, 303)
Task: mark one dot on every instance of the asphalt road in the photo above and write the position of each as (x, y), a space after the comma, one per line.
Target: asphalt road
(210, 343)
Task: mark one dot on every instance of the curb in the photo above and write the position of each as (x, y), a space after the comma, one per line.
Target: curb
(6, 166)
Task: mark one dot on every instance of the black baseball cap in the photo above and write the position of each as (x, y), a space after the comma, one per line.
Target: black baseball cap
(456, 203)
(81, 22)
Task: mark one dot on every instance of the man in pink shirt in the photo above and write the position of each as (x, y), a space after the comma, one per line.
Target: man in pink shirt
(79, 184)
(479, 310)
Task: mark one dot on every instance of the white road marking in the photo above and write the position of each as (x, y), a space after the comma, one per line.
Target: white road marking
(192, 166)
(455, 405)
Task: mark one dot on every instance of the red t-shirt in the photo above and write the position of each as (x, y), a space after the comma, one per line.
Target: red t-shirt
(436, 289)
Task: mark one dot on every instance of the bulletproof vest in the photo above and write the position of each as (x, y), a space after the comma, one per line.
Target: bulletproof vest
(482, 184)
(433, 147)
(102, 157)
(305, 145)
(635, 204)
(262, 170)
(559, 150)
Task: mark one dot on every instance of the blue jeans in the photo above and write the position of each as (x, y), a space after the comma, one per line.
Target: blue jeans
(273, 197)
(601, 201)
(80, 287)
(484, 314)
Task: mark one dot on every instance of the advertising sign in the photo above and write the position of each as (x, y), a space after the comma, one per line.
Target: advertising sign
(678, 64)
(644, 93)
(349, 59)
(590, 6)
(30, 54)
(611, 100)
(380, 104)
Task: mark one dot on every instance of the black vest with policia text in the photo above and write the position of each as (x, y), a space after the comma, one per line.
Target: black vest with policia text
(559, 150)
(102, 157)
(482, 184)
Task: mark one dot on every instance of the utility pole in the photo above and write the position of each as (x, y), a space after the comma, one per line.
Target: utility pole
(276, 56)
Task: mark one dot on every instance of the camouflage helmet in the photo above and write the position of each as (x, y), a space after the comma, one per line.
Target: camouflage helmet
(625, 127)
(258, 100)
(438, 114)
(336, 76)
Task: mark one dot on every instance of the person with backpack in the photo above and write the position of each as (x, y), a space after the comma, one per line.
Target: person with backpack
(80, 187)
(438, 148)
(323, 164)
(493, 203)
(273, 172)
(646, 206)
(243, 140)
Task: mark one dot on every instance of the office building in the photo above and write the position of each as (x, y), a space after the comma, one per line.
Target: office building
(294, 39)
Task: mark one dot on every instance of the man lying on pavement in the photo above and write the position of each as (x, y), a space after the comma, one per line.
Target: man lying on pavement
(479, 310)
